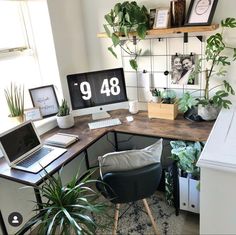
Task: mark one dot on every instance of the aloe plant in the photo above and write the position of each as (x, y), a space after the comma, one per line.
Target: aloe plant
(68, 209)
(123, 19)
(64, 109)
(15, 99)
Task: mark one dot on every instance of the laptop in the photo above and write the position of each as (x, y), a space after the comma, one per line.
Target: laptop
(23, 149)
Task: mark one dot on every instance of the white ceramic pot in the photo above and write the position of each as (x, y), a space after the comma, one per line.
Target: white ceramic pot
(133, 106)
(156, 99)
(208, 112)
(65, 121)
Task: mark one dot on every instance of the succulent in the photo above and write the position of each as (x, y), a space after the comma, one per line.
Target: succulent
(155, 92)
(64, 109)
(15, 100)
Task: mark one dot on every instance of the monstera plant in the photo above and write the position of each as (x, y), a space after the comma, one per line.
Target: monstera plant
(218, 55)
(126, 19)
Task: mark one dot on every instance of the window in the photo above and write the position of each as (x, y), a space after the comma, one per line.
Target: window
(18, 61)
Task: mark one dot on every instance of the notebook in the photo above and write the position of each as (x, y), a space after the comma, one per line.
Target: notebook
(61, 140)
(23, 149)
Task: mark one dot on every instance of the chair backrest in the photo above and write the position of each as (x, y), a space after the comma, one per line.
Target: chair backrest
(132, 185)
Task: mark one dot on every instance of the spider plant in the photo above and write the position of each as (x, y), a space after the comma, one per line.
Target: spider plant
(15, 100)
(67, 209)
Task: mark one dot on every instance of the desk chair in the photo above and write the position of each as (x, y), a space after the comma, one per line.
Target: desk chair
(131, 186)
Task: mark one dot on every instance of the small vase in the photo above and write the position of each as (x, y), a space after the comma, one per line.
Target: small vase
(177, 12)
(65, 122)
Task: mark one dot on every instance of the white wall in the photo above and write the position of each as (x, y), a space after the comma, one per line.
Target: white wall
(98, 55)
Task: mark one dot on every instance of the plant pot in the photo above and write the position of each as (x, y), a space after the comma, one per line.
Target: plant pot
(65, 121)
(208, 112)
(17, 120)
(192, 115)
(156, 99)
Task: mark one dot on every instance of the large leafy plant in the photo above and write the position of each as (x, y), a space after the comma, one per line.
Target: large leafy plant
(218, 56)
(125, 19)
(186, 154)
(67, 209)
(15, 99)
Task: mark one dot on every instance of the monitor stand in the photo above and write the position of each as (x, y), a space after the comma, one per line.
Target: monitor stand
(100, 115)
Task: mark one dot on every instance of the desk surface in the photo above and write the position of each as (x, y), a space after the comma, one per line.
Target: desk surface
(178, 129)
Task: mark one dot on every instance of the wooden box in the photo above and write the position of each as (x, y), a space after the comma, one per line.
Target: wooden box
(164, 111)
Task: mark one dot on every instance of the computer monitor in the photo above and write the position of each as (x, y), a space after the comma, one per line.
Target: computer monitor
(97, 92)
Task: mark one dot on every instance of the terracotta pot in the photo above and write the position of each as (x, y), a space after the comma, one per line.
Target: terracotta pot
(65, 122)
(208, 112)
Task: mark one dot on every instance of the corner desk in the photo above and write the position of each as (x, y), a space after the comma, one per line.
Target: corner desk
(179, 129)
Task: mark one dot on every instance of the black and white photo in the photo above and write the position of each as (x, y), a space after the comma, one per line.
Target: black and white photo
(182, 67)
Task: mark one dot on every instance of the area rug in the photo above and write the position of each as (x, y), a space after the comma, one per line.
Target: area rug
(136, 221)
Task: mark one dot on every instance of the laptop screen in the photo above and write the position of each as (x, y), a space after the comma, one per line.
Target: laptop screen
(19, 141)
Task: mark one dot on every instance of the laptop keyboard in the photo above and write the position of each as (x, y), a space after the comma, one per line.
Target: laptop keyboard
(35, 157)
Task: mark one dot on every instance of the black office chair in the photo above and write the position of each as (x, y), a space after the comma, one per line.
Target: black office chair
(130, 186)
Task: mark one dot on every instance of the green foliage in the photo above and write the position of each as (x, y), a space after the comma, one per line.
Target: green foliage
(67, 209)
(15, 99)
(155, 92)
(215, 56)
(123, 19)
(186, 102)
(64, 109)
(186, 154)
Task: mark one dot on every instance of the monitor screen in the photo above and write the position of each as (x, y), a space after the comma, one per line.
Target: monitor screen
(97, 88)
(19, 141)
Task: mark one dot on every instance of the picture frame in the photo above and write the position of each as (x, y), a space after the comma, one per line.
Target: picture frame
(33, 114)
(152, 15)
(183, 71)
(162, 18)
(45, 99)
(200, 12)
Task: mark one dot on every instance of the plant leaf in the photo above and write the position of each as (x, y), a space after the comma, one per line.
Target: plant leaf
(133, 64)
(107, 30)
(112, 51)
(142, 30)
(115, 39)
(229, 22)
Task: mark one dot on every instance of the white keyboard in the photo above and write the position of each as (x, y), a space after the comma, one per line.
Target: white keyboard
(104, 123)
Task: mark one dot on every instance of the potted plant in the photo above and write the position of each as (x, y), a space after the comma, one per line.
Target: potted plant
(186, 155)
(126, 19)
(217, 58)
(67, 209)
(156, 95)
(64, 117)
(15, 101)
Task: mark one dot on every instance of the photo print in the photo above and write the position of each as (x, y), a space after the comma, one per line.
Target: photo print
(182, 68)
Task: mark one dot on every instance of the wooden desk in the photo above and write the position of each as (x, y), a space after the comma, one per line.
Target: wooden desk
(180, 129)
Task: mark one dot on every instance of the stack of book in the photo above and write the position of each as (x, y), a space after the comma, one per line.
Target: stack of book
(61, 140)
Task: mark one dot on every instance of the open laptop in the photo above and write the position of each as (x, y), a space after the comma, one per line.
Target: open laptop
(23, 149)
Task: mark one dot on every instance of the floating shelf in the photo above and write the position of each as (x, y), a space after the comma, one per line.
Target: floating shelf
(162, 32)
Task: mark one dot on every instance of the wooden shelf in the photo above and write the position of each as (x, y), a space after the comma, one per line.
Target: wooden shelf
(161, 32)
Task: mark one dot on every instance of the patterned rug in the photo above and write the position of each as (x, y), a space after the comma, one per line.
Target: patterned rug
(136, 221)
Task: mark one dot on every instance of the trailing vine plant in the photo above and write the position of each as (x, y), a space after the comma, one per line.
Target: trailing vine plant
(126, 19)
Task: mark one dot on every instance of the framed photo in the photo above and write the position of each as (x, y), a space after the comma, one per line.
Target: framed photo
(152, 16)
(33, 114)
(45, 99)
(162, 18)
(182, 71)
(201, 12)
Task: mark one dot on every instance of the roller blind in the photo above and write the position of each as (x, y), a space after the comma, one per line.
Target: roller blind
(12, 27)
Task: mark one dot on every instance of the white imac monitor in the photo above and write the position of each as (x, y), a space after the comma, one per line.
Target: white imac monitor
(97, 92)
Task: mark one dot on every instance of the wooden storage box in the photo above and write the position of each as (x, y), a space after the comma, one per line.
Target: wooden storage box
(164, 111)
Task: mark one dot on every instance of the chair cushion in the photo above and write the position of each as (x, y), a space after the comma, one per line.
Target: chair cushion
(130, 159)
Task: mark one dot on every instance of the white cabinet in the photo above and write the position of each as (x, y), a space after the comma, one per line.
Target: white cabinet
(189, 194)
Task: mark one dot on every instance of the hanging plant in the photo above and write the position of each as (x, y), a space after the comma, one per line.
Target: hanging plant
(126, 19)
